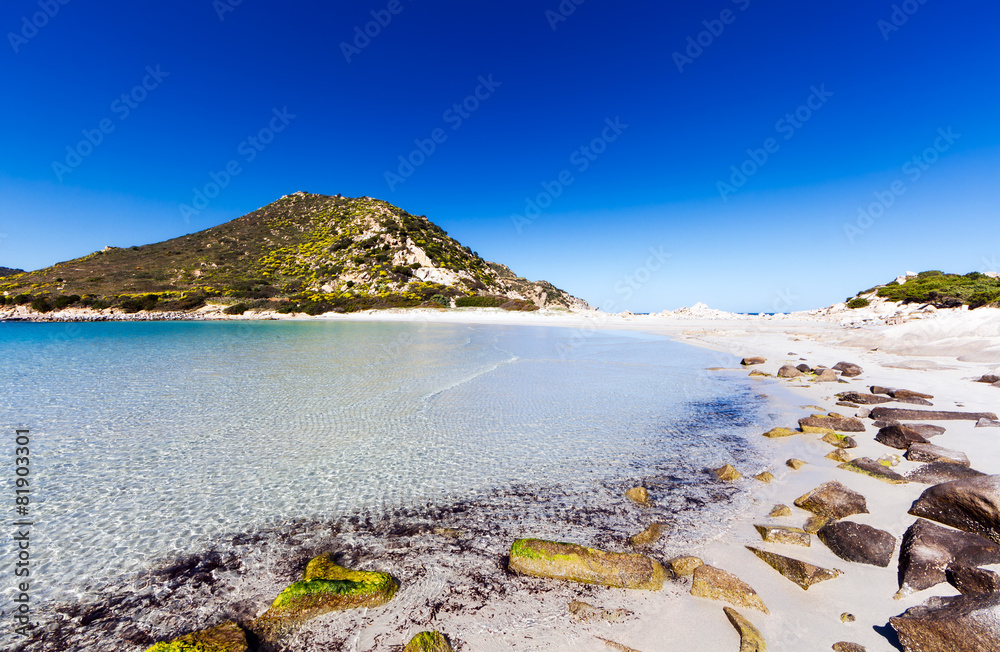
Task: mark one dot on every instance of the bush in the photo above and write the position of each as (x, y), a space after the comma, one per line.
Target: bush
(858, 302)
(135, 304)
(41, 304)
(481, 301)
(65, 301)
(22, 299)
(440, 299)
(237, 309)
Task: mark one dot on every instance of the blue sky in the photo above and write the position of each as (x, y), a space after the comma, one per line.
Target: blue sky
(866, 133)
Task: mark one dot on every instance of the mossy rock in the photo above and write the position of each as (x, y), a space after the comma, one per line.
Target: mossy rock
(227, 637)
(727, 473)
(568, 561)
(428, 642)
(775, 433)
(325, 587)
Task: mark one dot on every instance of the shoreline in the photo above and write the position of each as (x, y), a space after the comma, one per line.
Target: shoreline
(801, 620)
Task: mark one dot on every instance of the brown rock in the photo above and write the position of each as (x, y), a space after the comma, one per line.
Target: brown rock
(717, 584)
(751, 640)
(858, 542)
(927, 550)
(989, 378)
(799, 572)
(639, 496)
(804, 368)
(840, 441)
(871, 468)
(567, 561)
(969, 580)
(899, 437)
(877, 389)
(648, 536)
(844, 646)
(930, 453)
(759, 374)
(780, 510)
(839, 455)
(926, 430)
(864, 399)
(727, 473)
(774, 433)
(764, 476)
(792, 536)
(795, 464)
(826, 376)
(956, 624)
(746, 362)
(848, 369)
(582, 612)
(788, 371)
(814, 524)
(907, 393)
(939, 472)
(684, 565)
(833, 500)
(843, 424)
(972, 505)
(903, 414)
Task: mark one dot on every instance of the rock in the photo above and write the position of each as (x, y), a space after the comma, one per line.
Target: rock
(684, 565)
(428, 642)
(727, 473)
(780, 510)
(840, 441)
(804, 368)
(227, 637)
(760, 374)
(931, 453)
(794, 463)
(843, 424)
(650, 535)
(858, 542)
(325, 587)
(972, 505)
(582, 612)
(839, 455)
(826, 376)
(938, 472)
(863, 399)
(926, 430)
(639, 496)
(788, 371)
(814, 524)
(956, 624)
(889, 461)
(802, 573)
(746, 362)
(862, 413)
(780, 534)
(877, 389)
(871, 468)
(927, 550)
(764, 476)
(899, 437)
(914, 401)
(907, 393)
(774, 433)
(751, 639)
(989, 378)
(987, 423)
(616, 646)
(833, 500)
(904, 414)
(717, 584)
(848, 369)
(847, 617)
(844, 646)
(568, 561)
(848, 404)
(969, 580)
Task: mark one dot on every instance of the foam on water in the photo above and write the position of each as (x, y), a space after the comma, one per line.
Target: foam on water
(153, 439)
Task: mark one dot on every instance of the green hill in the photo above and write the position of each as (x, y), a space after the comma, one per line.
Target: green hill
(939, 290)
(304, 252)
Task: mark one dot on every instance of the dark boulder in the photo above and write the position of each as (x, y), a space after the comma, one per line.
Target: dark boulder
(788, 371)
(746, 362)
(972, 505)
(842, 424)
(927, 550)
(989, 378)
(930, 453)
(969, 580)
(848, 369)
(858, 542)
(863, 399)
(956, 624)
(833, 500)
(904, 414)
(907, 393)
(939, 472)
(804, 368)
(871, 468)
(899, 437)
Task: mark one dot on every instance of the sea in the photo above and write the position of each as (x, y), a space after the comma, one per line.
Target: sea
(154, 440)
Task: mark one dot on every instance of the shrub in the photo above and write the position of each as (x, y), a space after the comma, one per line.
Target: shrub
(236, 309)
(41, 304)
(22, 299)
(135, 304)
(481, 301)
(858, 302)
(440, 299)
(65, 301)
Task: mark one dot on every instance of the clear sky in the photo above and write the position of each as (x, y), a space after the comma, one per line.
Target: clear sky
(756, 156)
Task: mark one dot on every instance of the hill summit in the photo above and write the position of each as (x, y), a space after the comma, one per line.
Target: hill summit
(304, 252)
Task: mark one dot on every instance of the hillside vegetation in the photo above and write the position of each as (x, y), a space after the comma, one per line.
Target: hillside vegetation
(304, 253)
(939, 290)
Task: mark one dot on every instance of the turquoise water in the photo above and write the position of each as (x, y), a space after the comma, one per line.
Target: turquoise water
(152, 439)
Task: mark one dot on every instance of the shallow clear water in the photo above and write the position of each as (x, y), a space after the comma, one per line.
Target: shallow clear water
(151, 438)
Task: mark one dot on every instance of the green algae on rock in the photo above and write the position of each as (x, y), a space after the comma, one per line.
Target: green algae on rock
(325, 587)
(568, 561)
(428, 642)
(227, 637)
